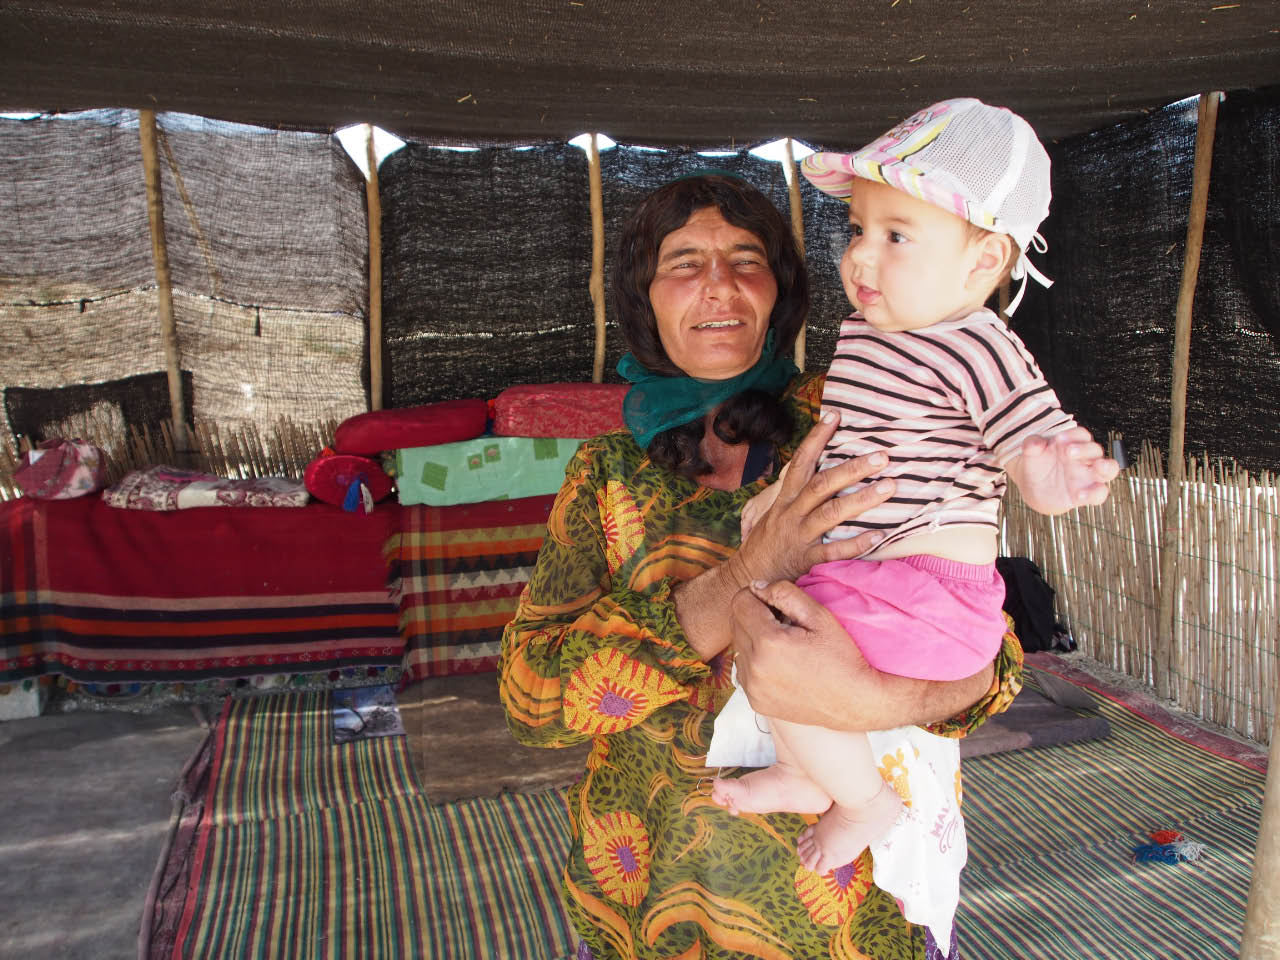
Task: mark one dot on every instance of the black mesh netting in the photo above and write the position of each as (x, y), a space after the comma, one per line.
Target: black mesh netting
(1117, 234)
(77, 411)
(267, 244)
(487, 258)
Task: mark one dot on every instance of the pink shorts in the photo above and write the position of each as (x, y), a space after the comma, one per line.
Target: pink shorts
(921, 616)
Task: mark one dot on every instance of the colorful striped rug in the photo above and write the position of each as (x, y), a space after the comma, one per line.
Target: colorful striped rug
(1051, 871)
(310, 849)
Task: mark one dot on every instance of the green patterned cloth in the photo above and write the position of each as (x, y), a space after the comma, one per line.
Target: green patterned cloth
(486, 468)
(595, 652)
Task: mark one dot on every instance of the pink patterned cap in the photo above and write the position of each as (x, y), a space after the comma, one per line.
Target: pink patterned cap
(982, 163)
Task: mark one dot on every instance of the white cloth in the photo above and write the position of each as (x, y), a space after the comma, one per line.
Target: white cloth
(741, 737)
(918, 861)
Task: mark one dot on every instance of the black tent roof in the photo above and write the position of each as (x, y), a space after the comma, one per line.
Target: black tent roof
(691, 72)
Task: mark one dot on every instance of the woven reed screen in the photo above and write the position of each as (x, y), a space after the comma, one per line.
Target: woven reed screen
(267, 243)
(1104, 564)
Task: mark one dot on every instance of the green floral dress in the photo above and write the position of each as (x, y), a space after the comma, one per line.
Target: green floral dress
(595, 652)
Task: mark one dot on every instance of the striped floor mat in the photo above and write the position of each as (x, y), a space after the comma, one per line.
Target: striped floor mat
(1051, 872)
(310, 849)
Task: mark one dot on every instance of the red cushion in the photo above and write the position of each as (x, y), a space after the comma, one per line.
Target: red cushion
(576, 410)
(329, 477)
(446, 422)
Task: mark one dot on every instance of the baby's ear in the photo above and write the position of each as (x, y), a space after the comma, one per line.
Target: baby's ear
(995, 253)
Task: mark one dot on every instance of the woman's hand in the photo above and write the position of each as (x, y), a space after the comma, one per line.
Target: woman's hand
(787, 540)
(806, 669)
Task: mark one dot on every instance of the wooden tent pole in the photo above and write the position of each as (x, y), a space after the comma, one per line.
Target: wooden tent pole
(1170, 538)
(1261, 939)
(164, 283)
(374, 202)
(797, 228)
(597, 256)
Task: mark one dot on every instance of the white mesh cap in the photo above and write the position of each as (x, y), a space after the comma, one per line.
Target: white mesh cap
(982, 163)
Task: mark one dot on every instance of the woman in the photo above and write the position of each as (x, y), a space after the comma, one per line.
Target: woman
(620, 634)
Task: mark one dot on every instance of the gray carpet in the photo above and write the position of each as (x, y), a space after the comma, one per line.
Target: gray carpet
(85, 801)
(1047, 712)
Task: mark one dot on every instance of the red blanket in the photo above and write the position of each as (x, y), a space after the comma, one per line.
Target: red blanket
(102, 594)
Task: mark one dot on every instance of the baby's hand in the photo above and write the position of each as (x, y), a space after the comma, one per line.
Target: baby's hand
(1062, 473)
(759, 505)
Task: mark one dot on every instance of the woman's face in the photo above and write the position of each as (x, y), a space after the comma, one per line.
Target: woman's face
(712, 294)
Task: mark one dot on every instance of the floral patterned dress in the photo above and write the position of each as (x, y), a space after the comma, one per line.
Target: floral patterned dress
(595, 652)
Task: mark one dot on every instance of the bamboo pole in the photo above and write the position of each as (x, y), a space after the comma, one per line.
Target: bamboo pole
(1207, 121)
(596, 285)
(1261, 938)
(797, 228)
(164, 285)
(374, 202)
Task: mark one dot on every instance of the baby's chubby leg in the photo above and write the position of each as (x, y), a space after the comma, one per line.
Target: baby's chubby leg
(781, 787)
(863, 805)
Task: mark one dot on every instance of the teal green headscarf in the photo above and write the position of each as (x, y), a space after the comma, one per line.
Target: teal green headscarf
(657, 402)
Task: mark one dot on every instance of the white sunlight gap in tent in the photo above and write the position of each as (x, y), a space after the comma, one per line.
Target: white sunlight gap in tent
(354, 139)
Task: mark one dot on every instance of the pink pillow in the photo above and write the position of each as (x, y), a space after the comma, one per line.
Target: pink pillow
(446, 422)
(336, 478)
(558, 409)
(60, 469)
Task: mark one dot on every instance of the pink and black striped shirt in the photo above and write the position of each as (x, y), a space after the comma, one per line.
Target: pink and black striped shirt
(951, 404)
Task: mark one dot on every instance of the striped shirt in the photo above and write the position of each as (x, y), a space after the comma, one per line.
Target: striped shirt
(951, 404)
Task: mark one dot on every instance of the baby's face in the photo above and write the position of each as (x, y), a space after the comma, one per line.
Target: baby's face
(909, 264)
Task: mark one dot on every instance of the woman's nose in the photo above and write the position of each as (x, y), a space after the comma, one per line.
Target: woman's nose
(719, 277)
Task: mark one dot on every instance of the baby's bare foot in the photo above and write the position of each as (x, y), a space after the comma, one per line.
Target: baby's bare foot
(770, 790)
(844, 832)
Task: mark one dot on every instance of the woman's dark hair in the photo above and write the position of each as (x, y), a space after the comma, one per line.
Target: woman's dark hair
(752, 417)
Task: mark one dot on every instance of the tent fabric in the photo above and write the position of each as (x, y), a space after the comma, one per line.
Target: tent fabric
(694, 73)
(267, 243)
(1117, 234)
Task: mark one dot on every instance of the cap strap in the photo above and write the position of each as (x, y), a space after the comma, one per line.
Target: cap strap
(1024, 268)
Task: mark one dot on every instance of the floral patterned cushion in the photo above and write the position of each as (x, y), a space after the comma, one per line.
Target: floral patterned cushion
(172, 488)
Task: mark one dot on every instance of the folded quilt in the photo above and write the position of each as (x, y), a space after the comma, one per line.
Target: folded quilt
(172, 488)
(486, 468)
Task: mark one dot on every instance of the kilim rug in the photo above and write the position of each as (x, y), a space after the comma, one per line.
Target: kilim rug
(459, 572)
(1051, 870)
(308, 849)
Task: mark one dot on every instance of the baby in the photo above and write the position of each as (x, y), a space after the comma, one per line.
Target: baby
(942, 209)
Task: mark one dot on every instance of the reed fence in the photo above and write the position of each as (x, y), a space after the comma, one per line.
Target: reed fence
(1104, 564)
(279, 449)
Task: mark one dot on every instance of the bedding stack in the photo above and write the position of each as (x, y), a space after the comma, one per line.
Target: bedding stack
(474, 513)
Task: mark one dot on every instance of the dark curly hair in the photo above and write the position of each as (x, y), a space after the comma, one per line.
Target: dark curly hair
(754, 416)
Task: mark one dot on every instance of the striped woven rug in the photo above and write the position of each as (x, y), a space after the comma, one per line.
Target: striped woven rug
(310, 849)
(1051, 872)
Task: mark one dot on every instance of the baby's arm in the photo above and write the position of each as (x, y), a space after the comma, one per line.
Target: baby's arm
(1062, 473)
(759, 505)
